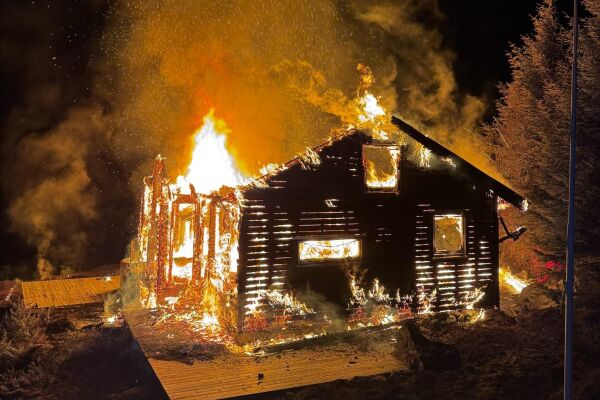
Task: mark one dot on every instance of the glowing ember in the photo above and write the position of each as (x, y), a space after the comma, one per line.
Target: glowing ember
(502, 205)
(269, 169)
(309, 158)
(375, 306)
(205, 325)
(379, 293)
(450, 161)
(426, 300)
(209, 322)
(10, 293)
(479, 317)
(183, 272)
(511, 280)
(287, 303)
(473, 297)
(212, 165)
(110, 320)
(359, 296)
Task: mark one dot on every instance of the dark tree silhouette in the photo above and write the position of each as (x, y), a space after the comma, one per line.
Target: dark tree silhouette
(530, 133)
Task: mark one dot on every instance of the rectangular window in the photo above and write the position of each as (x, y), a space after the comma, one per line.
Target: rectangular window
(448, 235)
(380, 164)
(183, 232)
(328, 250)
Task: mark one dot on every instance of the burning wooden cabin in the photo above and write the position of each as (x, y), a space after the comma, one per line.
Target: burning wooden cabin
(354, 206)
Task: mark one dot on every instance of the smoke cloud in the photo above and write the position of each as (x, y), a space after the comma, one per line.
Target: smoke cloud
(58, 200)
(281, 74)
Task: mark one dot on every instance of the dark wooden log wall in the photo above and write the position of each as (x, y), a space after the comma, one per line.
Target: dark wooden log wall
(331, 201)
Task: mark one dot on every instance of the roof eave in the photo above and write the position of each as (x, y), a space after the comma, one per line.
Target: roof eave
(499, 188)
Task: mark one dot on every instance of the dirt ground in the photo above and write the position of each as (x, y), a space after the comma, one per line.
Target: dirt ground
(502, 357)
(517, 357)
(80, 358)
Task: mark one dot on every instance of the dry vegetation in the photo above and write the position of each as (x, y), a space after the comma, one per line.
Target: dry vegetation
(23, 340)
(69, 354)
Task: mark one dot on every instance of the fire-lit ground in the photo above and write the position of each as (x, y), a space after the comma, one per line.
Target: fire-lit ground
(78, 354)
(191, 370)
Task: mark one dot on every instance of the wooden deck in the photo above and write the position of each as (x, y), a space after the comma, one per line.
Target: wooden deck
(188, 372)
(239, 376)
(68, 292)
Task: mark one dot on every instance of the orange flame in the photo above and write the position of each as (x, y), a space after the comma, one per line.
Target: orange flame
(212, 166)
(515, 283)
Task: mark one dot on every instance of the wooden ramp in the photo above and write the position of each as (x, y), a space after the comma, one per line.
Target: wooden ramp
(239, 376)
(68, 292)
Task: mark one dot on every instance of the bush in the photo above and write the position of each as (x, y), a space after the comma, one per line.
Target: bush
(22, 335)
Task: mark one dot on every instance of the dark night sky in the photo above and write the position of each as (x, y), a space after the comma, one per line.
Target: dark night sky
(63, 39)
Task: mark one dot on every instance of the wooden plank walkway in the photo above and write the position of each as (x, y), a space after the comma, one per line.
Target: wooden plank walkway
(67, 292)
(189, 369)
(239, 376)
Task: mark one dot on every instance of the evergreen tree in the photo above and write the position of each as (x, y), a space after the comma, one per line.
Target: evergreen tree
(530, 133)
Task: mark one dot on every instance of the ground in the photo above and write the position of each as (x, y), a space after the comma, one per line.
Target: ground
(515, 356)
(80, 358)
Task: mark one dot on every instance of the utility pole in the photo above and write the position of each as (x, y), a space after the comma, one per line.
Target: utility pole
(569, 271)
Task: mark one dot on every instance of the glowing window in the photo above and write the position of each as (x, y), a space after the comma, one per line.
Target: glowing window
(328, 250)
(183, 232)
(380, 163)
(448, 236)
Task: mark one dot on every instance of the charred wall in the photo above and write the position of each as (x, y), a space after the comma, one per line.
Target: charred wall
(331, 201)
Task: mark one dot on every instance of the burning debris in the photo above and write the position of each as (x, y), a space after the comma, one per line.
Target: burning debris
(424, 157)
(426, 300)
(375, 306)
(515, 283)
(186, 249)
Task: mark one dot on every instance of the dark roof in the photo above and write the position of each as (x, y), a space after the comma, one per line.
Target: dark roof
(499, 188)
(336, 137)
(466, 167)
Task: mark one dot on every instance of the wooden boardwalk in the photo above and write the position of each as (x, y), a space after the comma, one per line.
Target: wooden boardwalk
(186, 372)
(239, 376)
(68, 292)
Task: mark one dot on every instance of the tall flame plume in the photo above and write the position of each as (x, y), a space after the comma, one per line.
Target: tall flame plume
(212, 164)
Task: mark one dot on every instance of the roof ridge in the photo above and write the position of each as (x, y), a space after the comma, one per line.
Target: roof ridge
(499, 188)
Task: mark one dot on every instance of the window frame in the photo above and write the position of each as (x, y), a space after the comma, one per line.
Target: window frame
(329, 261)
(462, 253)
(388, 145)
(176, 219)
